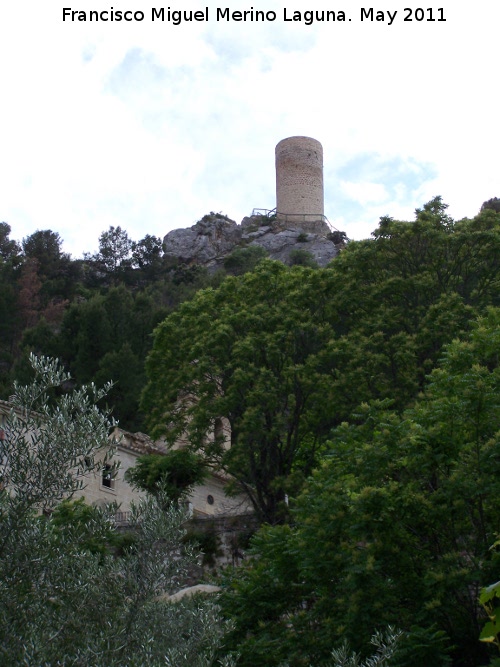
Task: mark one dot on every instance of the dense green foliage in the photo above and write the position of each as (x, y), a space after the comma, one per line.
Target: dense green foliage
(95, 314)
(66, 596)
(248, 354)
(287, 353)
(362, 400)
(489, 598)
(242, 260)
(394, 528)
(173, 474)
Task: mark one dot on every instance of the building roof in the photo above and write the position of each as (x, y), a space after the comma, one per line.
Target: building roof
(139, 443)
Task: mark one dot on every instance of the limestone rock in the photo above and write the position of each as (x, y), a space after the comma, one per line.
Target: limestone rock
(211, 237)
(215, 236)
(281, 244)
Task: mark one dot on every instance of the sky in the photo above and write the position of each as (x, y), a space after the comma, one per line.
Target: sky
(149, 125)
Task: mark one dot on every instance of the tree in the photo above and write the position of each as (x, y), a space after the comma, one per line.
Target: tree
(489, 600)
(86, 337)
(29, 293)
(147, 256)
(9, 302)
(108, 336)
(248, 352)
(173, 474)
(9, 249)
(115, 248)
(65, 597)
(402, 295)
(493, 204)
(49, 448)
(394, 527)
(286, 354)
(385, 645)
(127, 371)
(44, 246)
(58, 273)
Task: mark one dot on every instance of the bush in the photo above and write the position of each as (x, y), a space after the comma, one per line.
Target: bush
(300, 257)
(242, 260)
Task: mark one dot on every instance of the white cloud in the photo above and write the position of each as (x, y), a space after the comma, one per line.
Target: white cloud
(365, 193)
(150, 125)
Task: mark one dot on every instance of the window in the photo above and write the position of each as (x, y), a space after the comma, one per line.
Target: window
(107, 481)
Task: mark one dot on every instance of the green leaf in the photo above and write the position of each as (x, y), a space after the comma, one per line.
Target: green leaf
(489, 593)
(490, 631)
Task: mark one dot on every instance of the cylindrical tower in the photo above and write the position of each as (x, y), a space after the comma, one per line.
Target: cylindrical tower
(299, 179)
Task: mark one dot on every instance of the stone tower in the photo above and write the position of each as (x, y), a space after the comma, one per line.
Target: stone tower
(299, 183)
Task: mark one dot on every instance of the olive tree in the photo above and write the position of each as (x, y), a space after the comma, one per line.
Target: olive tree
(64, 601)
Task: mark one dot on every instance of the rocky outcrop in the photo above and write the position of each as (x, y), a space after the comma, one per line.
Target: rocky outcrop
(215, 236)
(212, 237)
(280, 242)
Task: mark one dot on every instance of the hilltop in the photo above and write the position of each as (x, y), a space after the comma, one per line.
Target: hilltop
(215, 236)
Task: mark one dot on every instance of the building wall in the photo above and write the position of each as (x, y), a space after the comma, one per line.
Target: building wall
(96, 492)
(209, 500)
(299, 178)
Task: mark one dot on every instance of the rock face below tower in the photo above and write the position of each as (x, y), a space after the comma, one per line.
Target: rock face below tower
(212, 237)
(299, 184)
(215, 236)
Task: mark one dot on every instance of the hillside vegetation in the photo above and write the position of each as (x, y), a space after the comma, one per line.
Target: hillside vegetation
(363, 400)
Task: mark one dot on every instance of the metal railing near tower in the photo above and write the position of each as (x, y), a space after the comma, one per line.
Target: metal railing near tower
(292, 217)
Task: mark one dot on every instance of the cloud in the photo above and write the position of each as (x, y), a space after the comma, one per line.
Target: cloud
(370, 185)
(149, 126)
(365, 193)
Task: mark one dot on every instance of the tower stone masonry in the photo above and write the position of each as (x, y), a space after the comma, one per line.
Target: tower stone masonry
(299, 180)
(297, 223)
